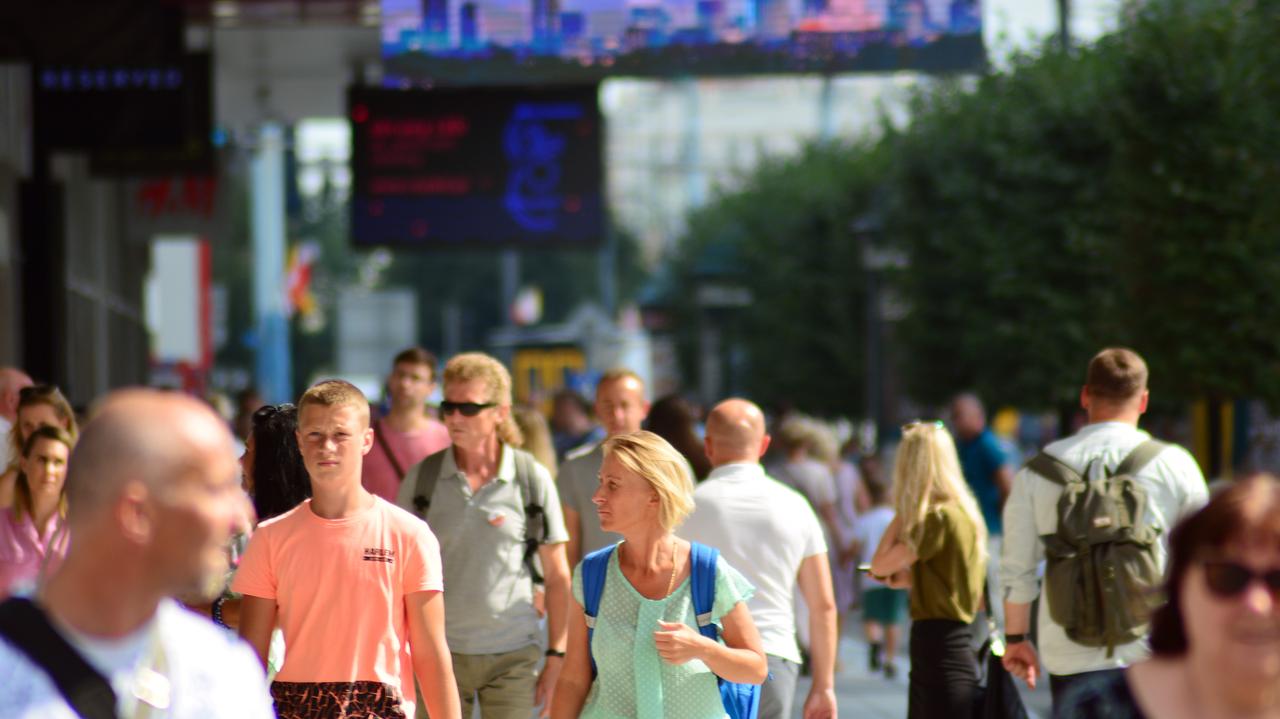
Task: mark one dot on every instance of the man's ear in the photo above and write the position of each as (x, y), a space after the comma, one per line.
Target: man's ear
(136, 519)
(1142, 403)
(366, 441)
(764, 444)
(1084, 398)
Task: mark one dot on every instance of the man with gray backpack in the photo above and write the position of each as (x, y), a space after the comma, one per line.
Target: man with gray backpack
(1096, 508)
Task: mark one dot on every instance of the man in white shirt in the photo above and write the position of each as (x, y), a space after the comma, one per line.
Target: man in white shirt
(12, 380)
(1115, 397)
(769, 532)
(153, 489)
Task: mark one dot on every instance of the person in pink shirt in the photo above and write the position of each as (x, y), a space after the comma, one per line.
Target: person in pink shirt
(33, 536)
(353, 582)
(407, 434)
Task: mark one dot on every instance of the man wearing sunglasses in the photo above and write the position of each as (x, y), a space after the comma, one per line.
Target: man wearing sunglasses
(494, 509)
(12, 380)
(1114, 397)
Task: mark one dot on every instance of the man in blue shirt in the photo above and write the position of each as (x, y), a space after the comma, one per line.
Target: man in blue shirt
(982, 459)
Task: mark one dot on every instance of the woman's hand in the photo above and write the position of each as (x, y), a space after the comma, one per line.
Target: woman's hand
(679, 643)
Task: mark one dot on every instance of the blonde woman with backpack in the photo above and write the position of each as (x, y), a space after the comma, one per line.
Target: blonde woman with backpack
(936, 546)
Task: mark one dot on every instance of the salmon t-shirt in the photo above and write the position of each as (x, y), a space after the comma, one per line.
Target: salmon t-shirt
(339, 587)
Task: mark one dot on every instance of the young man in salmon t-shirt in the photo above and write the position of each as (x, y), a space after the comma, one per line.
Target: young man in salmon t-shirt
(353, 581)
(407, 434)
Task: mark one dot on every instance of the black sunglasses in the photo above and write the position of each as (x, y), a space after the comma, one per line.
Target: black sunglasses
(1228, 579)
(468, 409)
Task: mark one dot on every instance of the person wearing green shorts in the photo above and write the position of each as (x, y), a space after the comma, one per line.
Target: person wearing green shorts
(883, 608)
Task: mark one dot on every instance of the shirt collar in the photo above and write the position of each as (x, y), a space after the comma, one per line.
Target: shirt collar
(737, 471)
(506, 464)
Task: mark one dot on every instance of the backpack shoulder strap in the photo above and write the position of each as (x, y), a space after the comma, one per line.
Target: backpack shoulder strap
(87, 692)
(424, 476)
(595, 566)
(702, 584)
(1053, 469)
(1139, 457)
(535, 517)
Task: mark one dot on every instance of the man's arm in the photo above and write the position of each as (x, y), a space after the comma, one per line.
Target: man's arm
(573, 524)
(555, 569)
(1022, 551)
(1003, 478)
(814, 579)
(257, 621)
(575, 678)
(432, 662)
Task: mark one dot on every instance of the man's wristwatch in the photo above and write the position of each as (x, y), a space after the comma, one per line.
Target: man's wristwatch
(1016, 638)
(555, 653)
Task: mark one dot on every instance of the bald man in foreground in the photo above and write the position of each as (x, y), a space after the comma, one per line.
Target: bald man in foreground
(769, 532)
(153, 490)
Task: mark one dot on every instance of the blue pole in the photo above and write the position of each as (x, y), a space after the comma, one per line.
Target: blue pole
(267, 217)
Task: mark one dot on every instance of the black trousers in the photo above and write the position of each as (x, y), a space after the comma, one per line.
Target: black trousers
(1060, 684)
(944, 670)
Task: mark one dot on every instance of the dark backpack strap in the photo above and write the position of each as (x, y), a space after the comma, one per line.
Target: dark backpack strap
(702, 584)
(386, 449)
(25, 626)
(1139, 457)
(1053, 469)
(424, 476)
(595, 567)
(535, 517)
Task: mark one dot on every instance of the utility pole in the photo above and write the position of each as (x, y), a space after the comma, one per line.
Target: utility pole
(1064, 25)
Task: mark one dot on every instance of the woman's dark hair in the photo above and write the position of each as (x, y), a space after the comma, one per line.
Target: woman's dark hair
(280, 479)
(1246, 511)
(672, 419)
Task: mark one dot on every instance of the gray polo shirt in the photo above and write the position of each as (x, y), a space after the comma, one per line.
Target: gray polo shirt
(488, 594)
(578, 479)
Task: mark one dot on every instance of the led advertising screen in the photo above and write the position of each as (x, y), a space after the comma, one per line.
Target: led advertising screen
(519, 41)
(476, 167)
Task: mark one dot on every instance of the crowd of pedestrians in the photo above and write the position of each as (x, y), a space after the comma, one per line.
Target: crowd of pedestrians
(622, 560)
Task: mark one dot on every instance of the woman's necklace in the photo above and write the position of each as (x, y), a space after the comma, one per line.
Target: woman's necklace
(671, 583)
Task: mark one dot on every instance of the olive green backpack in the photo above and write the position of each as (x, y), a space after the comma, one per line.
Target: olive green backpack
(1102, 576)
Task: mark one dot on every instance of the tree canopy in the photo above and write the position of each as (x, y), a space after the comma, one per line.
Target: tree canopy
(1119, 193)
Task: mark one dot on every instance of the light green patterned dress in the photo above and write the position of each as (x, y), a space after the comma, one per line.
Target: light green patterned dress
(632, 680)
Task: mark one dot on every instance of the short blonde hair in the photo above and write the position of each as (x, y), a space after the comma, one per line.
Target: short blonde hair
(334, 393)
(470, 366)
(665, 469)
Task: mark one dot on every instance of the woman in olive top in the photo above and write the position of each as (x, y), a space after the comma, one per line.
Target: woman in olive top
(936, 546)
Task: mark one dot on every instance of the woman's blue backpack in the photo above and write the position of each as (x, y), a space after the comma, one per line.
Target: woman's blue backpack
(741, 701)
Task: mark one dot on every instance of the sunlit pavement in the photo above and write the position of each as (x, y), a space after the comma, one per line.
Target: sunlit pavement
(864, 695)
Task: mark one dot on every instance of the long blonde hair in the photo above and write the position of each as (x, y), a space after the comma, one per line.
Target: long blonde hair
(926, 476)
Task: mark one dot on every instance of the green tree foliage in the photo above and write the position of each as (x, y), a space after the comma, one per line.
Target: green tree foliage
(1121, 193)
(785, 236)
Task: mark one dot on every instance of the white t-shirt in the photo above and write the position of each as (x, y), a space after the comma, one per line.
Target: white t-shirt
(764, 529)
(868, 531)
(211, 673)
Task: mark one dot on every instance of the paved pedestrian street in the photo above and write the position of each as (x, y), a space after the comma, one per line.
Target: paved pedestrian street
(864, 695)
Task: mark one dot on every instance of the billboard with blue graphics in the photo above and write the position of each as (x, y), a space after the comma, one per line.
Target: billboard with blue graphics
(477, 167)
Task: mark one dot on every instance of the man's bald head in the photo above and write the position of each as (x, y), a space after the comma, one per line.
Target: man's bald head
(12, 380)
(735, 433)
(152, 437)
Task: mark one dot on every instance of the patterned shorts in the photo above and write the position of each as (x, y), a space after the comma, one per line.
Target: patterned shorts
(337, 700)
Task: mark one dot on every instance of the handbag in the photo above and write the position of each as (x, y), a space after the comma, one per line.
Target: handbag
(996, 696)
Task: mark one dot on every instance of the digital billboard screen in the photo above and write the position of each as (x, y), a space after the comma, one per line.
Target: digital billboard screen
(519, 41)
(476, 167)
